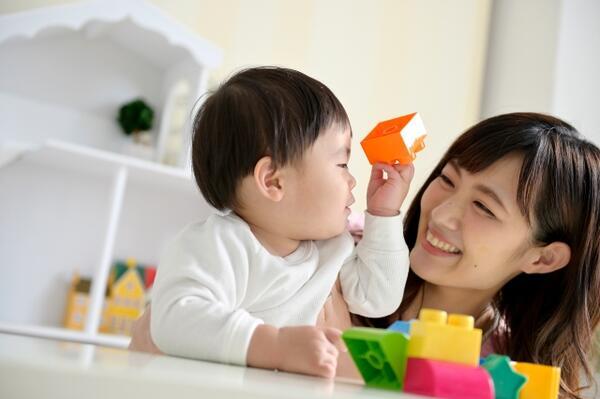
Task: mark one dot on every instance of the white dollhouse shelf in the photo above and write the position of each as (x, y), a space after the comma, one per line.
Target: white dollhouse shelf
(77, 194)
(66, 70)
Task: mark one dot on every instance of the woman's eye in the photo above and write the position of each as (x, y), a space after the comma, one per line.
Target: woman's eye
(446, 180)
(343, 165)
(484, 209)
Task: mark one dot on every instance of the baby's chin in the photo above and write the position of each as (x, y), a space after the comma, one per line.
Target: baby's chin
(331, 232)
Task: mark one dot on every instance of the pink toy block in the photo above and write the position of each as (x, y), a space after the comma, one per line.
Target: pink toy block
(447, 380)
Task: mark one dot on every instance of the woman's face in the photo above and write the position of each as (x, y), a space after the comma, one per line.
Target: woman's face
(471, 231)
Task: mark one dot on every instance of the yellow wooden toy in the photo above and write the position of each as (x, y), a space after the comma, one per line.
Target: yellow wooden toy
(77, 303)
(126, 295)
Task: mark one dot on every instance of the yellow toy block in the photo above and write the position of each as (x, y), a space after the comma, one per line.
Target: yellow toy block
(542, 381)
(451, 338)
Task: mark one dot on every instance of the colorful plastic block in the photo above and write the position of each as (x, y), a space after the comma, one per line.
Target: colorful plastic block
(447, 380)
(400, 326)
(507, 382)
(438, 336)
(396, 140)
(379, 355)
(542, 381)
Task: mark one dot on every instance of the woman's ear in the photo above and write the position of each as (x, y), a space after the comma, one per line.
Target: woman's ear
(268, 179)
(549, 258)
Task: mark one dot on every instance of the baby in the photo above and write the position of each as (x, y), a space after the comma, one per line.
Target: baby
(270, 150)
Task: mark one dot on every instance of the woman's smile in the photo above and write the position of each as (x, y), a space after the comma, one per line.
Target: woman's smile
(437, 246)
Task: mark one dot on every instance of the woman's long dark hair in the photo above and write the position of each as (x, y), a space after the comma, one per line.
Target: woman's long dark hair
(551, 317)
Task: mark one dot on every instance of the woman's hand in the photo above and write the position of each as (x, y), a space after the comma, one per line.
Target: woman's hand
(386, 195)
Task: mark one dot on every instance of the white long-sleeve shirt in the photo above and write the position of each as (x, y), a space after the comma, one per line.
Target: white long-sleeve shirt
(216, 283)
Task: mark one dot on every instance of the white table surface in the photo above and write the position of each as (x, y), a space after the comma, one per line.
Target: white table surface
(44, 368)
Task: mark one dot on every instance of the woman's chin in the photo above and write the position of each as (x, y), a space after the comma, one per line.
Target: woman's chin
(424, 265)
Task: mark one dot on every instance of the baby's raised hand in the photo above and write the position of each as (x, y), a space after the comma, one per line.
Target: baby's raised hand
(386, 195)
(309, 350)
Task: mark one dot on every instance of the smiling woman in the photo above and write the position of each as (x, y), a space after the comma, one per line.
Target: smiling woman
(506, 228)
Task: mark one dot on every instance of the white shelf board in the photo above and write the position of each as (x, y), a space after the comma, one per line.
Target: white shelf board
(64, 334)
(63, 154)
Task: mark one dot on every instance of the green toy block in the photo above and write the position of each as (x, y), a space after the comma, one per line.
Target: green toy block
(507, 382)
(380, 355)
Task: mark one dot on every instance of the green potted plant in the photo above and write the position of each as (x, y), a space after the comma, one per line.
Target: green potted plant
(136, 117)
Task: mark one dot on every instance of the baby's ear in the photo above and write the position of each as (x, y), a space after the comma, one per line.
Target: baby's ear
(268, 179)
(549, 258)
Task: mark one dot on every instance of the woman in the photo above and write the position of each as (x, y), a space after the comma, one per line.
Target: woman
(506, 228)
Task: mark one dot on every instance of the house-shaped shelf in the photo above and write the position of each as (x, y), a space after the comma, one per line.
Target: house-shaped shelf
(77, 194)
(67, 69)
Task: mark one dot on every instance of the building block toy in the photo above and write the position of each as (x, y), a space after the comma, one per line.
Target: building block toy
(400, 326)
(452, 338)
(396, 140)
(379, 355)
(542, 381)
(447, 380)
(507, 382)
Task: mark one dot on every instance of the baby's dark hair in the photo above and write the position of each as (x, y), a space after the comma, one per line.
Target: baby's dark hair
(264, 111)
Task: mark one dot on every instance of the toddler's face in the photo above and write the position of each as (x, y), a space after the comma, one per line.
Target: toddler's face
(320, 193)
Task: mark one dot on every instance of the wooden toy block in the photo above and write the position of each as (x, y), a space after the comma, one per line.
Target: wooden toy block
(447, 380)
(379, 355)
(507, 382)
(542, 381)
(396, 140)
(452, 338)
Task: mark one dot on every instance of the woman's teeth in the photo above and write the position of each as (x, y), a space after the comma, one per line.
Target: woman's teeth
(444, 246)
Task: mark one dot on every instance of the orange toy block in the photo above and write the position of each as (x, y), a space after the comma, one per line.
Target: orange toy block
(396, 140)
(450, 338)
(542, 381)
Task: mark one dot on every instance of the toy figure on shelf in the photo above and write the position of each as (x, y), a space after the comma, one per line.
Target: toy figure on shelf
(126, 294)
(77, 302)
(439, 357)
(127, 289)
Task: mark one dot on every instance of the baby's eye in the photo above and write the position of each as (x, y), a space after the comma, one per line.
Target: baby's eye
(343, 165)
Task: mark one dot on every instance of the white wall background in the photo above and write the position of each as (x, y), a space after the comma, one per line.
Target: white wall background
(544, 55)
(383, 58)
(577, 73)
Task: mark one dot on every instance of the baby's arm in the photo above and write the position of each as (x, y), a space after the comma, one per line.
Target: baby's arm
(195, 306)
(263, 353)
(196, 313)
(374, 277)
